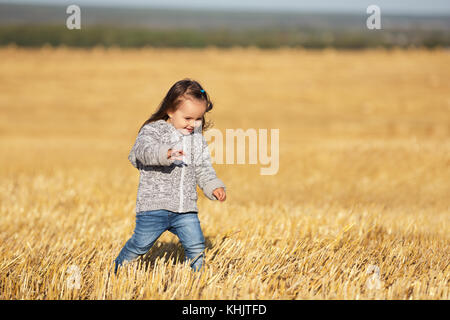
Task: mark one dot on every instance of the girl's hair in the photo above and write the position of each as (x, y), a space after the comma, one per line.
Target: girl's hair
(176, 94)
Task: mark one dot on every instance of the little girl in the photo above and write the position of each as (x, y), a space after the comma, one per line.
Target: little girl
(172, 157)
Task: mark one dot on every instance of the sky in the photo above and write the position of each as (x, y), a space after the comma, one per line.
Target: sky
(412, 7)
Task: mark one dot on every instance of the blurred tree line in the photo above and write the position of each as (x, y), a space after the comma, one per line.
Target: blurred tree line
(98, 35)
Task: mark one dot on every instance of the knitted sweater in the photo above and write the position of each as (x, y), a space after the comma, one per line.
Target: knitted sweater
(172, 184)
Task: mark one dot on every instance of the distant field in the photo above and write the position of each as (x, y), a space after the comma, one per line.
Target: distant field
(359, 208)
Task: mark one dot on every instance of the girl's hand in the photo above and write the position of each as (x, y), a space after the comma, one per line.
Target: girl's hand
(175, 154)
(220, 194)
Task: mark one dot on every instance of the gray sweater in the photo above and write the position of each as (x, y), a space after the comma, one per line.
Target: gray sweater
(172, 184)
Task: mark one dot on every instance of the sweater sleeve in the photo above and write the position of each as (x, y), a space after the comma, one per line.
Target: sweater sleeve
(148, 150)
(205, 174)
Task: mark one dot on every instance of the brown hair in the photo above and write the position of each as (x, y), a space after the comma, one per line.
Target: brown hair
(176, 94)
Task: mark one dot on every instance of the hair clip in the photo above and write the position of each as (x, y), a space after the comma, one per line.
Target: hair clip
(202, 90)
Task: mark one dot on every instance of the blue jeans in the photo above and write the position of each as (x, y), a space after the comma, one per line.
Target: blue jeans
(149, 227)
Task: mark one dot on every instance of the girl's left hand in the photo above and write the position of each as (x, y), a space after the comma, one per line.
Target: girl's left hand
(219, 193)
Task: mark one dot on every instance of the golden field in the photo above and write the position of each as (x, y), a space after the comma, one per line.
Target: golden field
(359, 208)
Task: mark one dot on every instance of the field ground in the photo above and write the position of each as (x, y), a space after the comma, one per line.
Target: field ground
(359, 208)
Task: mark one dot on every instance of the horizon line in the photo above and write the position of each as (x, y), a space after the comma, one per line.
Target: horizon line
(227, 9)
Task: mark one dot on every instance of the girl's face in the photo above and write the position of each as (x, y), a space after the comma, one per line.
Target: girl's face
(188, 115)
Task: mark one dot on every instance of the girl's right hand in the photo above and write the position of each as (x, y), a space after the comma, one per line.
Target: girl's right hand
(175, 154)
